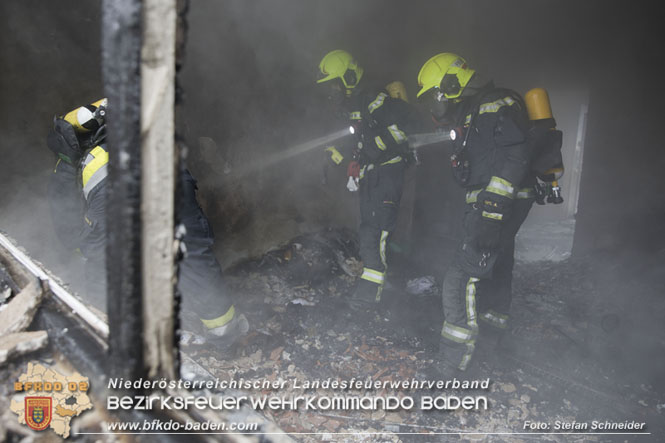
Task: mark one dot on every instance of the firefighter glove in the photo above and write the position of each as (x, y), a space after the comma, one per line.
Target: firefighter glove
(487, 234)
(62, 140)
(352, 184)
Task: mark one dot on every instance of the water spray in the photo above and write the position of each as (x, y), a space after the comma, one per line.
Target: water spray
(415, 141)
(299, 149)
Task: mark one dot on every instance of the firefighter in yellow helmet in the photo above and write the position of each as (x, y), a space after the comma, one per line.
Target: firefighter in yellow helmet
(376, 162)
(491, 161)
(77, 196)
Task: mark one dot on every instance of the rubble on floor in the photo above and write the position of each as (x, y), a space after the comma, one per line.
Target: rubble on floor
(18, 307)
(19, 343)
(558, 363)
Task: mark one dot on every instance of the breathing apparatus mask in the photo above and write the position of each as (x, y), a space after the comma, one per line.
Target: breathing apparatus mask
(336, 93)
(440, 108)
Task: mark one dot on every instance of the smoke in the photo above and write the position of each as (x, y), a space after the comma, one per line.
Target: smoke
(50, 58)
(249, 84)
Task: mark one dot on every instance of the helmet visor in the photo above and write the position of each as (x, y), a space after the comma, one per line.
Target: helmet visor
(335, 92)
(436, 103)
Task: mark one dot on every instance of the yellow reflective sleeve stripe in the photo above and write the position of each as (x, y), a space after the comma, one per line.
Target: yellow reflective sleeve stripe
(335, 155)
(525, 193)
(355, 115)
(378, 101)
(373, 275)
(491, 107)
(221, 320)
(493, 215)
(472, 196)
(393, 160)
(364, 169)
(95, 169)
(101, 157)
(398, 135)
(501, 186)
(496, 105)
(55, 169)
(379, 143)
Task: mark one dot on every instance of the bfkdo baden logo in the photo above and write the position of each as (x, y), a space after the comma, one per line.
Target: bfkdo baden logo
(44, 398)
(38, 412)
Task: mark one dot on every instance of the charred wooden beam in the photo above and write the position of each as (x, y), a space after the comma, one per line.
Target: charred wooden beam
(139, 79)
(121, 69)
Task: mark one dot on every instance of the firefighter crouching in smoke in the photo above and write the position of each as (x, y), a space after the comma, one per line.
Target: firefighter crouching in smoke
(492, 161)
(77, 196)
(376, 163)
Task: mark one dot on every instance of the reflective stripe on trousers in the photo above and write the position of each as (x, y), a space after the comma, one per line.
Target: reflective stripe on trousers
(464, 335)
(376, 276)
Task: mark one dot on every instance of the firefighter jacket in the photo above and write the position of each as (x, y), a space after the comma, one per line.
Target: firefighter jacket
(94, 171)
(381, 125)
(200, 277)
(497, 150)
(94, 184)
(384, 123)
(66, 204)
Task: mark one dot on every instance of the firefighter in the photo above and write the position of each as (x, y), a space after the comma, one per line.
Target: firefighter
(491, 161)
(78, 191)
(375, 165)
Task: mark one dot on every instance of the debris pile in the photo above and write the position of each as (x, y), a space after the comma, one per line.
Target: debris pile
(302, 331)
(19, 303)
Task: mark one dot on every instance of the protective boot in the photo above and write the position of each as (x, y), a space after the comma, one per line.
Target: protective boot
(221, 332)
(366, 296)
(224, 337)
(446, 363)
(493, 339)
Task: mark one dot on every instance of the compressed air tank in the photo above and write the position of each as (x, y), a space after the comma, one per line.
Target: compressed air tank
(397, 89)
(538, 104)
(548, 161)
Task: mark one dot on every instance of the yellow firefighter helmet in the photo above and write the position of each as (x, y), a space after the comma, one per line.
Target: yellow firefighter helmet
(447, 71)
(340, 64)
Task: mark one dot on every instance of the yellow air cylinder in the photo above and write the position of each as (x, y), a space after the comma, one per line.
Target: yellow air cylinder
(397, 89)
(538, 104)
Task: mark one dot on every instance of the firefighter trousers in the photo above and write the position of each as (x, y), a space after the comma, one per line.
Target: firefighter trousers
(478, 285)
(200, 279)
(380, 194)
